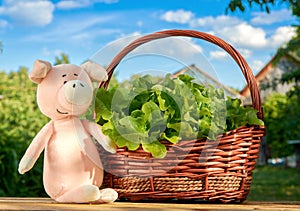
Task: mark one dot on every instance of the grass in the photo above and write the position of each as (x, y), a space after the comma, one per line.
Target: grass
(272, 183)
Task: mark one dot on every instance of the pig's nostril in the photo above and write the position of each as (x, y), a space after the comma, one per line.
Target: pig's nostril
(81, 85)
(74, 85)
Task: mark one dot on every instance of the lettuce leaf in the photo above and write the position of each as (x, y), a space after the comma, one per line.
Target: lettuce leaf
(174, 109)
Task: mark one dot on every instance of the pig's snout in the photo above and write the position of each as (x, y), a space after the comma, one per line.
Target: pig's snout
(77, 92)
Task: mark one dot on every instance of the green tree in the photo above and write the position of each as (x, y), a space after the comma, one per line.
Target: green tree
(282, 113)
(276, 107)
(20, 121)
(63, 59)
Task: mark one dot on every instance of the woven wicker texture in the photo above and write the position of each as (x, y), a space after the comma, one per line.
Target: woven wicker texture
(219, 170)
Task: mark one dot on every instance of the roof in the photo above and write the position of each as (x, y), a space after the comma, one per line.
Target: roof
(204, 78)
(267, 69)
(260, 75)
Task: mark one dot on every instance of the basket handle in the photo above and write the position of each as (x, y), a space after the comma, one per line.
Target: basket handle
(246, 70)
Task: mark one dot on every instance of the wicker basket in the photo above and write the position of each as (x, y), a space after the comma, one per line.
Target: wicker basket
(192, 169)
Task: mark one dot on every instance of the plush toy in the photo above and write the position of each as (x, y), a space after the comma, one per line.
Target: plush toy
(72, 167)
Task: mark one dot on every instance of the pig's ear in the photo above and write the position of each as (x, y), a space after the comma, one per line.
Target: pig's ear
(96, 72)
(40, 70)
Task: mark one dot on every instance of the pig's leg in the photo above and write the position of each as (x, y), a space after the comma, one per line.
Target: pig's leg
(81, 194)
(108, 195)
(88, 193)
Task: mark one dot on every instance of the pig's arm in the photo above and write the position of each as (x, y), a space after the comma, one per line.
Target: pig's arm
(35, 148)
(95, 130)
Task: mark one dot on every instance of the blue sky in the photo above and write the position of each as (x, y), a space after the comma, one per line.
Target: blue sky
(43, 29)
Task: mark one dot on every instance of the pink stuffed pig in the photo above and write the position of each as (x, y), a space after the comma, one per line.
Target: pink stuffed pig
(72, 167)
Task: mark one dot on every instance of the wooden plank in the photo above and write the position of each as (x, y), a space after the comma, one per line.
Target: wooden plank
(49, 204)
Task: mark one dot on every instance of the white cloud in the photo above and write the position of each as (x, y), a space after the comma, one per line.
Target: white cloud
(171, 46)
(58, 52)
(262, 18)
(221, 54)
(248, 37)
(218, 55)
(182, 49)
(31, 12)
(72, 4)
(246, 53)
(233, 30)
(178, 16)
(215, 22)
(257, 65)
(161, 55)
(46, 52)
(244, 35)
(139, 23)
(124, 39)
(238, 32)
(69, 4)
(3, 23)
(282, 36)
(75, 29)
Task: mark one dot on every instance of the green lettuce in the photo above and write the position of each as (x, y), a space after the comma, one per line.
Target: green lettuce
(174, 109)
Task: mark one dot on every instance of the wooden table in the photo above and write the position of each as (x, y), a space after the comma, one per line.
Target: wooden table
(49, 204)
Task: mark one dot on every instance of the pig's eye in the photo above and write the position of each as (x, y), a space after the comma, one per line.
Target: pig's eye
(75, 74)
(64, 75)
(65, 82)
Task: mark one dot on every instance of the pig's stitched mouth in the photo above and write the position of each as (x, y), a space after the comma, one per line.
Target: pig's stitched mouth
(61, 112)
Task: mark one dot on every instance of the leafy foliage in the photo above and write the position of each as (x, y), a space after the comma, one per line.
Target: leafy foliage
(292, 51)
(263, 4)
(280, 116)
(63, 59)
(174, 109)
(238, 115)
(20, 121)
(281, 112)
